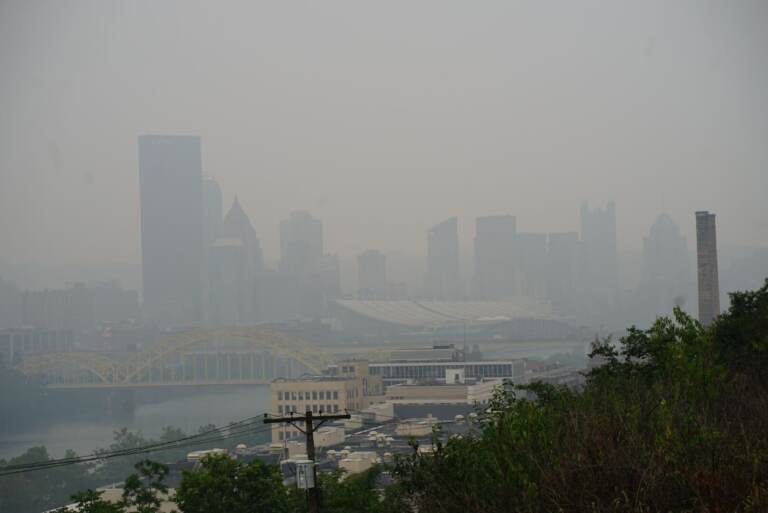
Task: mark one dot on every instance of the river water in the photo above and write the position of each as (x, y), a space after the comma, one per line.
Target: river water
(90, 429)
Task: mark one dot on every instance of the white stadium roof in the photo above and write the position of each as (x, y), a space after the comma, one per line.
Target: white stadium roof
(425, 313)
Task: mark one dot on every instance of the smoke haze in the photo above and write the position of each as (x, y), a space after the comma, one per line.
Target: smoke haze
(383, 119)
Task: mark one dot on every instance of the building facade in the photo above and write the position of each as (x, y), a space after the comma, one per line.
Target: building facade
(170, 180)
(706, 264)
(495, 276)
(372, 275)
(598, 269)
(349, 386)
(443, 280)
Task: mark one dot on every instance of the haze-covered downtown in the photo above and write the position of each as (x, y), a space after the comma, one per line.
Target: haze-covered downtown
(210, 212)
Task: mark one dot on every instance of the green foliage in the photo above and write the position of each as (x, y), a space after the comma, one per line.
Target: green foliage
(90, 501)
(355, 493)
(223, 485)
(674, 421)
(143, 492)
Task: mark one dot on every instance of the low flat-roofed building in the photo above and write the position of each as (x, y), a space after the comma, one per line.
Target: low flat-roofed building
(350, 388)
(393, 373)
(453, 393)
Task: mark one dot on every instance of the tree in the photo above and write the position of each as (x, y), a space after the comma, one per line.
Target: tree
(143, 491)
(90, 501)
(223, 485)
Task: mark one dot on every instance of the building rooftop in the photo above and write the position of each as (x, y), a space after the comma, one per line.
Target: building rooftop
(429, 313)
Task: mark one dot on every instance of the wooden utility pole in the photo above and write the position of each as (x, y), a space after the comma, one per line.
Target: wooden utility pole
(311, 424)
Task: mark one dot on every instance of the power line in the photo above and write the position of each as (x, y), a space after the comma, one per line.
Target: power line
(235, 429)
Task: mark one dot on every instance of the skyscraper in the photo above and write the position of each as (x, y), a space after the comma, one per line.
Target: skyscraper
(371, 275)
(531, 258)
(666, 281)
(562, 271)
(170, 178)
(443, 281)
(236, 263)
(706, 260)
(495, 276)
(599, 260)
(301, 243)
(212, 211)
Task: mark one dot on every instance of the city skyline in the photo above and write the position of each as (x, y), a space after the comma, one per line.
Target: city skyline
(676, 116)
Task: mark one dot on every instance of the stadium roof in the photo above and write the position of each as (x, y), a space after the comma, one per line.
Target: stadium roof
(427, 313)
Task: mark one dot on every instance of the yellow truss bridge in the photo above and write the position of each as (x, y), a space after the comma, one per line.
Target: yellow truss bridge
(247, 355)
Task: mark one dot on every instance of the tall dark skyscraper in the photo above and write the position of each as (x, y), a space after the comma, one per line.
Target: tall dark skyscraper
(443, 281)
(495, 276)
(170, 176)
(706, 261)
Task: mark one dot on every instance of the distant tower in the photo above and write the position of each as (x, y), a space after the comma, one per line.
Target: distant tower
(371, 275)
(170, 180)
(706, 257)
(301, 244)
(443, 281)
(599, 259)
(235, 263)
(494, 257)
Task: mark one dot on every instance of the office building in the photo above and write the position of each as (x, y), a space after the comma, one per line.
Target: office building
(235, 264)
(706, 263)
(443, 280)
(599, 261)
(666, 277)
(531, 259)
(562, 268)
(372, 275)
(301, 244)
(17, 344)
(212, 211)
(495, 269)
(170, 179)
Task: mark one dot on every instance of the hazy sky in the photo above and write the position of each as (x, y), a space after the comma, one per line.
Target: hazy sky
(383, 118)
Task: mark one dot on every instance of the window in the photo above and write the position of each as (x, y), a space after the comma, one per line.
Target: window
(279, 408)
(322, 394)
(335, 408)
(280, 396)
(293, 396)
(280, 435)
(301, 396)
(335, 394)
(314, 395)
(314, 408)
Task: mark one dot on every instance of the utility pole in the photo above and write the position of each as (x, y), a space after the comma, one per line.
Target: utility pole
(311, 424)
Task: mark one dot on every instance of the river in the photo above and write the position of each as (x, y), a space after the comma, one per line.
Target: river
(89, 429)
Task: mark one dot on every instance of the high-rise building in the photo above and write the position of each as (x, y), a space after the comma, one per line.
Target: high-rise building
(562, 268)
(666, 270)
(236, 263)
(495, 276)
(531, 258)
(301, 243)
(599, 260)
(443, 280)
(170, 176)
(212, 211)
(706, 259)
(372, 275)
